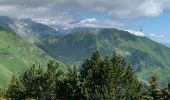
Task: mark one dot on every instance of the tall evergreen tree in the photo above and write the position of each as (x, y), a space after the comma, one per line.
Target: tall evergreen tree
(35, 83)
(109, 78)
(166, 92)
(69, 88)
(153, 92)
(16, 90)
(32, 79)
(52, 76)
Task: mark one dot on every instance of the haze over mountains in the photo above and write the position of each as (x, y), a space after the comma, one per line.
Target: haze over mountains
(71, 44)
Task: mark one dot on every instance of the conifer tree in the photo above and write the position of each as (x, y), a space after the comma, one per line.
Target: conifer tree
(153, 92)
(166, 92)
(131, 84)
(33, 80)
(35, 83)
(108, 78)
(1, 93)
(98, 79)
(16, 90)
(52, 76)
(69, 87)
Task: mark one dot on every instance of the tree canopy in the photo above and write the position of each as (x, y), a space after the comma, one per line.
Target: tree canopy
(97, 79)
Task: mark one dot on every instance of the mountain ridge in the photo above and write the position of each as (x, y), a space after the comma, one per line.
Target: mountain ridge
(143, 53)
(146, 55)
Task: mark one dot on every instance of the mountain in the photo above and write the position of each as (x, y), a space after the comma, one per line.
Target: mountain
(6, 23)
(16, 54)
(64, 30)
(71, 44)
(27, 28)
(71, 26)
(146, 55)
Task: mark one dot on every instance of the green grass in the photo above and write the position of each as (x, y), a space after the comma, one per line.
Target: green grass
(16, 55)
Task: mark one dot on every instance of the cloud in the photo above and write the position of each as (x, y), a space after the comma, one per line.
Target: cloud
(152, 35)
(116, 9)
(136, 8)
(88, 22)
(160, 38)
(136, 33)
(165, 41)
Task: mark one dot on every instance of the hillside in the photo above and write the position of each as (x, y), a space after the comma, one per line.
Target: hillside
(146, 55)
(27, 28)
(16, 54)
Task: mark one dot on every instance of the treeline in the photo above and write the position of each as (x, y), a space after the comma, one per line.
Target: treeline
(97, 79)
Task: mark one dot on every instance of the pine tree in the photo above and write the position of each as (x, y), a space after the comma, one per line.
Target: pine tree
(16, 90)
(98, 79)
(52, 76)
(166, 92)
(33, 80)
(109, 78)
(131, 84)
(69, 87)
(2, 94)
(35, 83)
(153, 92)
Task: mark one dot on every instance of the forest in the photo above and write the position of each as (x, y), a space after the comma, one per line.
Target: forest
(97, 79)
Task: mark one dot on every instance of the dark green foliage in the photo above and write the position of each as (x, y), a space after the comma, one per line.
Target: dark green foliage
(35, 83)
(109, 78)
(166, 92)
(70, 87)
(154, 92)
(16, 90)
(1, 92)
(98, 79)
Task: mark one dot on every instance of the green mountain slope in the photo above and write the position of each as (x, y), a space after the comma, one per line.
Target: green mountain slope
(27, 28)
(16, 54)
(146, 55)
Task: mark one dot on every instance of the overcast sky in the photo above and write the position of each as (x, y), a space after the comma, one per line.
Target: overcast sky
(150, 15)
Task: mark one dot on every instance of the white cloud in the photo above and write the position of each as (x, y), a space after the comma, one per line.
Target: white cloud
(62, 12)
(88, 20)
(136, 33)
(136, 9)
(160, 38)
(152, 35)
(74, 8)
(155, 37)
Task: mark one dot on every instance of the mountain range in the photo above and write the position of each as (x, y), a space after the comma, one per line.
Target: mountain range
(146, 55)
(38, 42)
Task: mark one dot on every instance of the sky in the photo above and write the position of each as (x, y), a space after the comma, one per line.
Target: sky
(150, 16)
